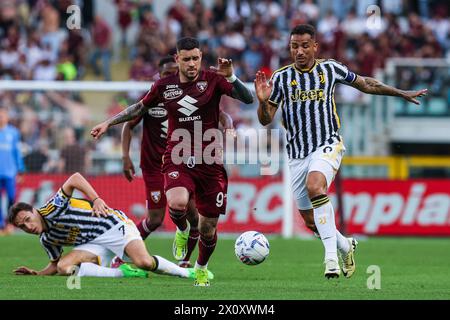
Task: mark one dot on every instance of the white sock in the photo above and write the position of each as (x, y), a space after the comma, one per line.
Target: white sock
(342, 243)
(324, 220)
(169, 268)
(89, 269)
(198, 266)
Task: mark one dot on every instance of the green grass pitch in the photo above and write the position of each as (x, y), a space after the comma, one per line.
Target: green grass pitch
(411, 268)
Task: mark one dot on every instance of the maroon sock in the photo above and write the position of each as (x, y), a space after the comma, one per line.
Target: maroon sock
(192, 242)
(179, 218)
(205, 249)
(143, 228)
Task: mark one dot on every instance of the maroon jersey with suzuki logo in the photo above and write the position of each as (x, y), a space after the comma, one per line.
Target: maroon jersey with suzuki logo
(154, 137)
(189, 105)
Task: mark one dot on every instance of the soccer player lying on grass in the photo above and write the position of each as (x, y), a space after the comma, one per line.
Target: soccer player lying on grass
(97, 232)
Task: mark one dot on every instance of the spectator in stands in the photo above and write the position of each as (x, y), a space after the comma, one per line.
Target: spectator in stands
(73, 156)
(440, 25)
(124, 18)
(77, 48)
(78, 112)
(392, 6)
(101, 38)
(45, 69)
(341, 8)
(11, 162)
(179, 11)
(142, 70)
(252, 57)
(65, 68)
(9, 58)
(237, 10)
(327, 27)
(38, 160)
(52, 36)
(311, 10)
(219, 11)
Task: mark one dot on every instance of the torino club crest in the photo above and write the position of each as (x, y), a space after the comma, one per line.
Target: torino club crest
(202, 85)
(174, 174)
(156, 196)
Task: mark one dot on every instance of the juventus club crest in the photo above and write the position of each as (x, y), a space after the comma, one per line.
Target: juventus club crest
(174, 174)
(156, 196)
(202, 85)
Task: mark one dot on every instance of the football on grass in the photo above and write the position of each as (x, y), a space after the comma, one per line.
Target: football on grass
(251, 248)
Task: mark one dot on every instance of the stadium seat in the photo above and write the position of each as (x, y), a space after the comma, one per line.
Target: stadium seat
(399, 106)
(415, 110)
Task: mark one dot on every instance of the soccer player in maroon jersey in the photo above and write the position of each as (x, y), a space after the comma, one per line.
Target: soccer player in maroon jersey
(191, 98)
(154, 140)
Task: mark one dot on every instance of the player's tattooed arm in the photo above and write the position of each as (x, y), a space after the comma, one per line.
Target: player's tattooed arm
(374, 86)
(132, 112)
(266, 109)
(266, 112)
(241, 92)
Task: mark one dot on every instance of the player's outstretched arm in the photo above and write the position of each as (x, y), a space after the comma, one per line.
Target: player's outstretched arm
(266, 110)
(128, 167)
(239, 91)
(374, 86)
(49, 270)
(227, 123)
(77, 181)
(132, 112)
(225, 120)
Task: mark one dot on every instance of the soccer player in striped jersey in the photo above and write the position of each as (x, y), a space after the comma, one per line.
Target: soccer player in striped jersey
(96, 231)
(305, 92)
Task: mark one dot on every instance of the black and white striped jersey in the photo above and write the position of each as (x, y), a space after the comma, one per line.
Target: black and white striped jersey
(308, 107)
(70, 223)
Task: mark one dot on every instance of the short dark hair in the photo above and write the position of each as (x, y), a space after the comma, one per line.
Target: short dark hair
(304, 28)
(166, 59)
(16, 208)
(187, 43)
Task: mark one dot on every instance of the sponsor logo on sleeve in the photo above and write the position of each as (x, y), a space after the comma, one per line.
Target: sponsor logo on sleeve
(157, 112)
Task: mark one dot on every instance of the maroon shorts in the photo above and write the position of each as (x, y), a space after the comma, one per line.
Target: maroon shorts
(154, 189)
(209, 186)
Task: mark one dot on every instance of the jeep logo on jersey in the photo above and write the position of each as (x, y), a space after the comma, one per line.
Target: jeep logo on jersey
(202, 85)
(172, 94)
(174, 174)
(157, 112)
(188, 107)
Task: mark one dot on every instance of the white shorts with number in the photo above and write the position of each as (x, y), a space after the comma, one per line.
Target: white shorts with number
(326, 160)
(112, 243)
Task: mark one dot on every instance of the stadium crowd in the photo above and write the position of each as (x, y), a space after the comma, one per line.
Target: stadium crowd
(36, 45)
